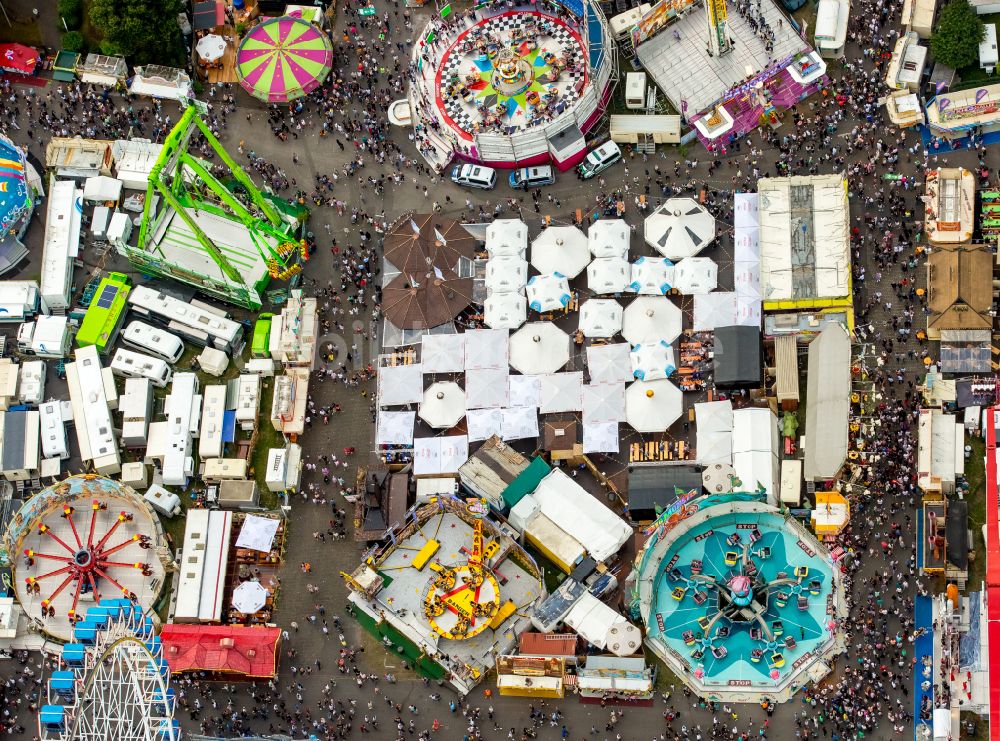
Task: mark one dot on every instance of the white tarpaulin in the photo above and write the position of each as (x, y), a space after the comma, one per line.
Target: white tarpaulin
(506, 237)
(525, 390)
(506, 274)
(400, 384)
(581, 515)
(714, 428)
(652, 406)
(756, 445)
(652, 360)
(651, 319)
(653, 276)
(548, 292)
(694, 275)
(561, 392)
(713, 310)
(257, 533)
(601, 437)
(539, 347)
(486, 388)
(483, 423)
(609, 275)
(603, 402)
(505, 310)
(443, 405)
(250, 597)
(560, 249)
(395, 428)
(746, 259)
(436, 455)
(601, 317)
(486, 348)
(519, 423)
(828, 392)
(679, 228)
(442, 353)
(609, 238)
(609, 363)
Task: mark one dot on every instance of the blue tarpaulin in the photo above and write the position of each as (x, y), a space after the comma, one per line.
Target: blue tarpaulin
(229, 426)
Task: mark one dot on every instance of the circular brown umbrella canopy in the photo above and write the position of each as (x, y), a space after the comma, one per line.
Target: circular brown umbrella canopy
(425, 300)
(427, 240)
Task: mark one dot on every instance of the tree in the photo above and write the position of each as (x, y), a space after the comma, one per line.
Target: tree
(73, 41)
(955, 43)
(144, 31)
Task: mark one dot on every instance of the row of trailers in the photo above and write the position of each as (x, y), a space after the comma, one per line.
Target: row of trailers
(990, 215)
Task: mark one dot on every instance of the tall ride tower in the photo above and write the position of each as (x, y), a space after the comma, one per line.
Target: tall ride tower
(718, 28)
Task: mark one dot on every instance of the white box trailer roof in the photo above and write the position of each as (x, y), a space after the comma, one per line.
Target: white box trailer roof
(213, 581)
(192, 566)
(62, 243)
(52, 429)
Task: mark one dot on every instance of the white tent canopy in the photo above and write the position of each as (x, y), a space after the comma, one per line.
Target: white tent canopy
(482, 424)
(443, 405)
(395, 428)
(519, 423)
(442, 353)
(437, 455)
(714, 428)
(746, 259)
(507, 237)
(505, 310)
(652, 406)
(258, 532)
(250, 597)
(756, 445)
(604, 402)
(713, 310)
(601, 317)
(650, 319)
(506, 274)
(600, 437)
(561, 249)
(486, 388)
(679, 228)
(609, 275)
(400, 384)
(486, 348)
(652, 360)
(609, 238)
(561, 392)
(548, 292)
(652, 276)
(609, 363)
(539, 347)
(525, 390)
(696, 275)
(827, 403)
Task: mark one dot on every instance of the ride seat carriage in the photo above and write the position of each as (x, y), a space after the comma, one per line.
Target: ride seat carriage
(790, 643)
(697, 654)
(678, 593)
(781, 599)
(777, 660)
(731, 557)
(675, 574)
(720, 652)
(801, 572)
(733, 540)
(778, 628)
(756, 655)
(755, 535)
(803, 603)
(765, 552)
(755, 634)
(700, 598)
(688, 637)
(703, 622)
(814, 587)
(722, 631)
(696, 566)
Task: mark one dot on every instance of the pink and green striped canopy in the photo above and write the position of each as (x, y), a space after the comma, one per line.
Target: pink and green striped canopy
(283, 59)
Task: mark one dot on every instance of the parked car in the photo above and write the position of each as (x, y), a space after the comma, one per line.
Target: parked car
(474, 176)
(599, 160)
(532, 177)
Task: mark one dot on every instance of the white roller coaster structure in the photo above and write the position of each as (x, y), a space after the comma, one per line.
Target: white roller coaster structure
(113, 681)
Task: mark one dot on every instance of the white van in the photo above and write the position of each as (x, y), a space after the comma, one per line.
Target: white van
(147, 338)
(599, 160)
(474, 176)
(527, 178)
(130, 364)
(635, 90)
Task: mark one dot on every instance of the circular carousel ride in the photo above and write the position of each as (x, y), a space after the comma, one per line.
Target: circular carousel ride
(741, 598)
(460, 601)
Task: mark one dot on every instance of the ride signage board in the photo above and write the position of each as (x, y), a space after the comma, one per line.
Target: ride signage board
(656, 18)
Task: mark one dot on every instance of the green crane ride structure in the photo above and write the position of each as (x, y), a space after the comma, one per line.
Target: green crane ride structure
(227, 239)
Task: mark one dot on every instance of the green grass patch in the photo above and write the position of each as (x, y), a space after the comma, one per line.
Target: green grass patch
(975, 474)
(664, 677)
(267, 438)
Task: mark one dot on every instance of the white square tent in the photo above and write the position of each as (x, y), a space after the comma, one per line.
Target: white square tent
(713, 310)
(400, 384)
(609, 238)
(442, 353)
(525, 390)
(601, 437)
(395, 428)
(604, 402)
(561, 392)
(486, 348)
(486, 388)
(439, 455)
(507, 237)
(714, 428)
(746, 259)
(519, 423)
(756, 445)
(581, 515)
(828, 392)
(609, 363)
(482, 424)
(593, 620)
